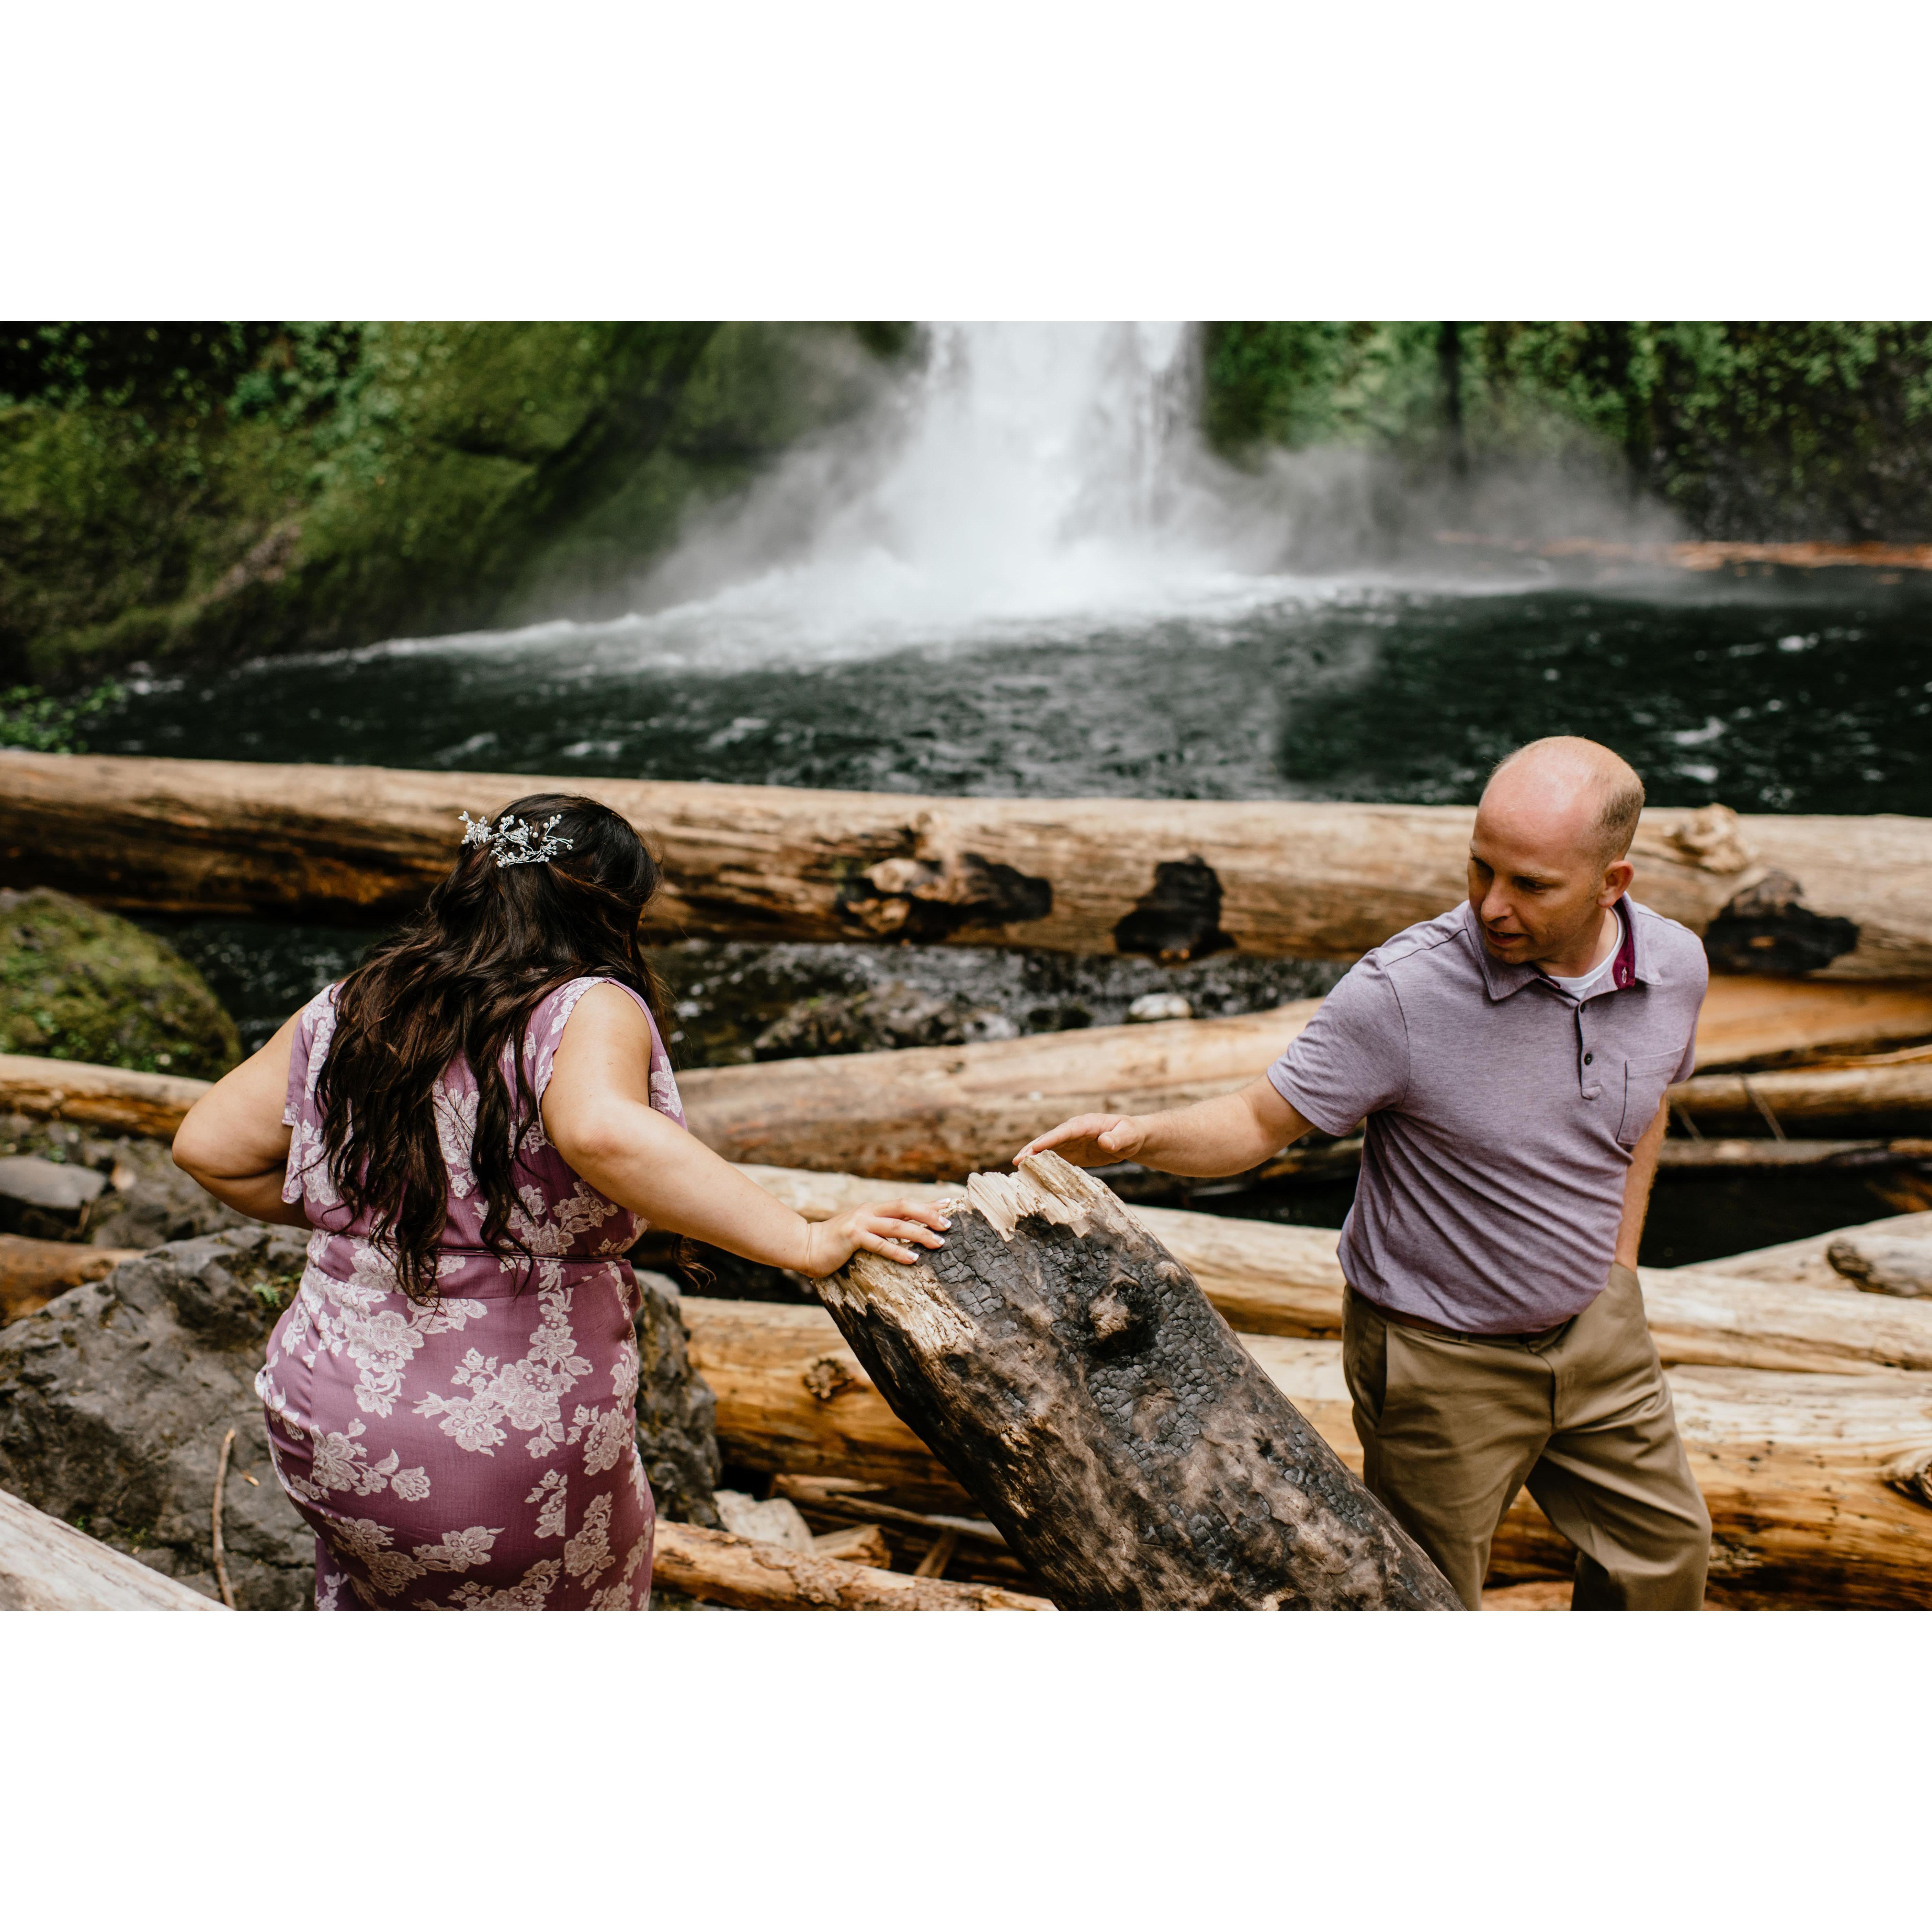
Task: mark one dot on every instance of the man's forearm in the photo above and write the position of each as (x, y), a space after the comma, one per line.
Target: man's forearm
(1228, 1135)
(1637, 1190)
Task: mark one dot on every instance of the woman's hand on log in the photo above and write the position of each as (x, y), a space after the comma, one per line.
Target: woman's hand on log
(1091, 1140)
(887, 1227)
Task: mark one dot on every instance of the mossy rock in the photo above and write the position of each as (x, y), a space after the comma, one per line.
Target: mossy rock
(79, 984)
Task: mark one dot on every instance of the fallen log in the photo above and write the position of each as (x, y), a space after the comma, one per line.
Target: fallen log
(1881, 1263)
(1074, 1379)
(1795, 1469)
(792, 1397)
(46, 1564)
(1173, 879)
(941, 1113)
(1711, 555)
(717, 1568)
(1729, 1154)
(1885, 1084)
(1749, 1022)
(32, 1272)
(113, 1097)
(1806, 1263)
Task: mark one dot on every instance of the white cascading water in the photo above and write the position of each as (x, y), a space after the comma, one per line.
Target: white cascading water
(1031, 476)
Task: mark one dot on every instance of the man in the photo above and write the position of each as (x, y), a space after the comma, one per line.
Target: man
(1511, 1058)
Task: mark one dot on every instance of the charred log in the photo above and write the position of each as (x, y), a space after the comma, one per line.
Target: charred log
(1074, 1379)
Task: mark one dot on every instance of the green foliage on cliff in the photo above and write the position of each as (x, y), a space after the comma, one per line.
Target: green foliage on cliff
(210, 490)
(1749, 429)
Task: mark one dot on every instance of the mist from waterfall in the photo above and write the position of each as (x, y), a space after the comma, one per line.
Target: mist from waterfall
(1026, 474)
(1041, 482)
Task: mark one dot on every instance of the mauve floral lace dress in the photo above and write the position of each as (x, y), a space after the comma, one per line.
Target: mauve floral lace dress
(480, 1452)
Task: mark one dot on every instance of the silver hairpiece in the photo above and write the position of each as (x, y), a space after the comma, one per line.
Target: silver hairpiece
(515, 841)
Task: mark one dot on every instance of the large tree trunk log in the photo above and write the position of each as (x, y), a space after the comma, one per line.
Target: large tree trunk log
(717, 1568)
(1074, 1379)
(1748, 1022)
(1852, 897)
(46, 1564)
(942, 1113)
(792, 1397)
(1797, 1470)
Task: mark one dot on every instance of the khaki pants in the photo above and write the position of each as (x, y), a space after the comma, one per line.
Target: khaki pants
(1452, 1428)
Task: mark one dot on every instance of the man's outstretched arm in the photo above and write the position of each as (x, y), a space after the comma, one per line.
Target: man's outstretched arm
(1227, 1135)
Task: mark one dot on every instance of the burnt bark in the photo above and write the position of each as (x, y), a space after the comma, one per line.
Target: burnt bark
(1071, 1375)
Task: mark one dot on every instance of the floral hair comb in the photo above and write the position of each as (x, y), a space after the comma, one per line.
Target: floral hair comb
(515, 842)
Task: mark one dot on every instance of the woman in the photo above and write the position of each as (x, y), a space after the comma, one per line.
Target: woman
(478, 1122)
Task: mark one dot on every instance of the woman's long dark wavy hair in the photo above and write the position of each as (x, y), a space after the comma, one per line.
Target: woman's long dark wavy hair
(463, 977)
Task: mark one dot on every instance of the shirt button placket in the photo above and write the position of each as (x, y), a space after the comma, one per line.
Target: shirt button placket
(1587, 1078)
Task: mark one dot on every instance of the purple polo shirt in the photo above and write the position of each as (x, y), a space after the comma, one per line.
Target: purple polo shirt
(1502, 1114)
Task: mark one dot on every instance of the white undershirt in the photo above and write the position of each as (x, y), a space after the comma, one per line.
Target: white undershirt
(1601, 977)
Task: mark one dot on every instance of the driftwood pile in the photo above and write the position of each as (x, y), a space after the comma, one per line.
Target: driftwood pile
(1072, 1400)
(1807, 1403)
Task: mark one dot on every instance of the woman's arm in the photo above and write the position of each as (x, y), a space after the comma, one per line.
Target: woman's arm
(598, 1113)
(1228, 1135)
(233, 1142)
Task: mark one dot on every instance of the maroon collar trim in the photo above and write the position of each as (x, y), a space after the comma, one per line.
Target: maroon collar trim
(1624, 972)
(1502, 981)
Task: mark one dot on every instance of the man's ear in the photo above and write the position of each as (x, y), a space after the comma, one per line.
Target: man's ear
(1617, 879)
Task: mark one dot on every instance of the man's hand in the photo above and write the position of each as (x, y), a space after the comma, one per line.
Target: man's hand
(1091, 1140)
(1227, 1135)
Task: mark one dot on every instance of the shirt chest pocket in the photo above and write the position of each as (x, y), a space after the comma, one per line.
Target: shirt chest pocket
(1645, 1079)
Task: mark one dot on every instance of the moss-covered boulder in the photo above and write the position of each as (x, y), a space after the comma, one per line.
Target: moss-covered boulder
(79, 984)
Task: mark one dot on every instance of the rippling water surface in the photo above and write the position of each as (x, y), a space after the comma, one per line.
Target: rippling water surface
(1765, 699)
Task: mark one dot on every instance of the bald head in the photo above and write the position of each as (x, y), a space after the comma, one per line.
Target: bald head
(1571, 789)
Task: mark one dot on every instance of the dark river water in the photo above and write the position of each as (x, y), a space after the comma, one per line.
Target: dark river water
(1769, 700)
(1765, 695)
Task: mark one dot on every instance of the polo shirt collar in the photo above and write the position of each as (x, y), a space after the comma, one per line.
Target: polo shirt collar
(1501, 980)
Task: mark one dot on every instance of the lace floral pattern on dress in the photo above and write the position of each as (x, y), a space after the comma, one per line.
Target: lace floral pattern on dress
(404, 1432)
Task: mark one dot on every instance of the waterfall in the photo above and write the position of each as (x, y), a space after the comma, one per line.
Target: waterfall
(1028, 474)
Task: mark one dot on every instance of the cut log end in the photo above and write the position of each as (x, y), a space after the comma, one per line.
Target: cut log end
(1069, 1372)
